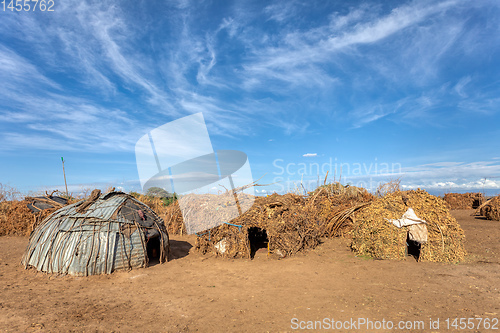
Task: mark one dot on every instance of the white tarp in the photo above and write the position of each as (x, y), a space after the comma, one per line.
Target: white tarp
(408, 218)
(417, 228)
(418, 233)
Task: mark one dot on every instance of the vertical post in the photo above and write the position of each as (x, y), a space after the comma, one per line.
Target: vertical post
(64, 173)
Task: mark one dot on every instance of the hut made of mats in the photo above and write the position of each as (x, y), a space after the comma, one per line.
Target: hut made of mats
(463, 200)
(375, 236)
(98, 235)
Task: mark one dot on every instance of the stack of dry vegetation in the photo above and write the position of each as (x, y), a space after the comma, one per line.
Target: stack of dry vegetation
(335, 204)
(393, 185)
(463, 200)
(17, 219)
(375, 236)
(491, 209)
(171, 214)
(285, 222)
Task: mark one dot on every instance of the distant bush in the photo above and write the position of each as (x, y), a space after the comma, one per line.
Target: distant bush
(158, 192)
(8, 193)
(392, 186)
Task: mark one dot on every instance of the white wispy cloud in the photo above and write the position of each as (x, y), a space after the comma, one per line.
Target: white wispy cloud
(310, 155)
(322, 48)
(16, 73)
(281, 11)
(487, 184)
(460, 86)
(454, 170)
(232, 70)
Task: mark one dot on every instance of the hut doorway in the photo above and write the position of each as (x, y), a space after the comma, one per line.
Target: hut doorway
(413, 248)
(153, 249)
(257, 238)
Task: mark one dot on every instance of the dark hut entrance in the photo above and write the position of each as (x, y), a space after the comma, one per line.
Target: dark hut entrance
(153, 247)
(257, 238)
(413, 248)
(477, 202)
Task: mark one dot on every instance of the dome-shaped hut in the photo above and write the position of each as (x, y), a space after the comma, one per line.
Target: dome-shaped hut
(375, 235)
(98, 236)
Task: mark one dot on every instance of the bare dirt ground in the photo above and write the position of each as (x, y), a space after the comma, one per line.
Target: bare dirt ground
(207, 294)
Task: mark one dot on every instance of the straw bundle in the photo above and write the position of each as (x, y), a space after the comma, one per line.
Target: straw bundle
(335, 204)
(172, 216)
(373, 235)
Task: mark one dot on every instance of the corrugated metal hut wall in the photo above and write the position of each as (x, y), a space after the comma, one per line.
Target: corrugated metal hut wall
(94, 242)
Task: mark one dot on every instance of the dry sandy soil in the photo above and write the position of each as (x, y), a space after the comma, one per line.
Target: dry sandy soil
(207, 294)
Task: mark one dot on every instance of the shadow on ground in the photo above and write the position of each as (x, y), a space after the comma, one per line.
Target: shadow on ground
(179, 249)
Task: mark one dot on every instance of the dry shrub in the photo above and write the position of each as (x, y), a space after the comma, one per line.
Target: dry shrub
(339, 194)
(373, 235)
(393, 185)
(17, 219)
(8, 193)
(491, 209)
(463, 200)
(170, 214)
(15, 216)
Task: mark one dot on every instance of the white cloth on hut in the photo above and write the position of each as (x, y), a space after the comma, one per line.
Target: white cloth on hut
(417, 230)
(418, 233)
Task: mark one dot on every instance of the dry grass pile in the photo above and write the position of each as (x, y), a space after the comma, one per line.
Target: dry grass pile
(374, 236)
(15, 216)
(290, 224)
(463, 200)
(339, 194)
(170, 214)
(332, 203)
(491, 209)
(174, 222)
(335, 204)
(17, 219)
(391, 186)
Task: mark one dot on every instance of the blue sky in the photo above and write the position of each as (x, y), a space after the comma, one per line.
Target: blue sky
(406, 89)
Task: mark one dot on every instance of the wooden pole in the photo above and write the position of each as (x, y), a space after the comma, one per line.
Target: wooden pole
(64, 173)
